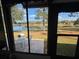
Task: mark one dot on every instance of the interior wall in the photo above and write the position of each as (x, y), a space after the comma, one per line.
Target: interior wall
(29, 56)
(64, 1)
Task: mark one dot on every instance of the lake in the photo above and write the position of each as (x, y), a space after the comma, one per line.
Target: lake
(22, 28)
(19, 28)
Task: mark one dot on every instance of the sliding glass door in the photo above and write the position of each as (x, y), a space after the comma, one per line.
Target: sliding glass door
(20, 31)
(38, 29)
(30, 29)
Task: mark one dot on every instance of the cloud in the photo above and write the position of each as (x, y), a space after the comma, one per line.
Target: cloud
(32, 15)
(60, 17)
(24, 15)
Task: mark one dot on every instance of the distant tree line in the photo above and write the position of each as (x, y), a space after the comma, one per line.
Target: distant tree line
(76, 22)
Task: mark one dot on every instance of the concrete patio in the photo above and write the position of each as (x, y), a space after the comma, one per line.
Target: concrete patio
(36, 45)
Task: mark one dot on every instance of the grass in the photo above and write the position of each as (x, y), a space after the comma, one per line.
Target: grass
(66, 49)
(35, 34)
(66, 46)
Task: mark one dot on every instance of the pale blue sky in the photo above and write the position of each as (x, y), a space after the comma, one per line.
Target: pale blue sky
(65, 16)
(33, 11)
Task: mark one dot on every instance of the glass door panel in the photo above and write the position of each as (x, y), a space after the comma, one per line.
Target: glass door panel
(19, 23)
(38, 29)
(68, 23)
(66, 45)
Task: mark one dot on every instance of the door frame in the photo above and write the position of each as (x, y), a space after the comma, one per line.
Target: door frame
(54, 9)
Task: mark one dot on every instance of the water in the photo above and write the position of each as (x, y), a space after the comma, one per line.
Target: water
(23, 28)
(19, 28)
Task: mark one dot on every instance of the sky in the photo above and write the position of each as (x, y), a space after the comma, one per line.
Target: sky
(33, 11)
(65, 16)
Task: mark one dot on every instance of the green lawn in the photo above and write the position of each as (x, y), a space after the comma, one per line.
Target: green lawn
(66, 49)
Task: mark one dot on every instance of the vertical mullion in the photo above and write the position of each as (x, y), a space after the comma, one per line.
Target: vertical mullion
(4, 25)
(28, 28)
(8, 25)
(77, 49)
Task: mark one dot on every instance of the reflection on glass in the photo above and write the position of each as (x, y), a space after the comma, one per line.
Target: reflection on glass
(20, 28)
(66, 45)
(68, 23)
(38, 26)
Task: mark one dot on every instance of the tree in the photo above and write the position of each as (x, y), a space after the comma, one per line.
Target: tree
(16, 13)
(65, 22)
(76, 22)
(75, 14)
(42, 13)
